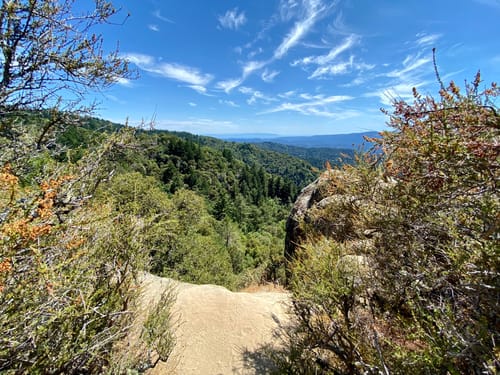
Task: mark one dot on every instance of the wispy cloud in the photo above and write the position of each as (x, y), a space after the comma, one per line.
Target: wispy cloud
(313, 10)
(308, 12)
(340, 68)
(232, 19)
(199, 89)
(248, 69)
(252, 66)
(229, 103)
(153, 27)
(425, 40)
(139, 59)
(316, 106)
(228, 84)
(300, 29)
(414, 71)
(388, 94)
(288, 9)
(347, 43)
(307, 96)
(124, 82)
(326, 67)
(255, 52)
(255, 95)
(182, 73)
(331, 70)
(288, 94)
(410, 64)
(191, 104)
(157, 14)
(268, 76)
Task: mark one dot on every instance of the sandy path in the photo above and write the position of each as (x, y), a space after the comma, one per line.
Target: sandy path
(219, 330)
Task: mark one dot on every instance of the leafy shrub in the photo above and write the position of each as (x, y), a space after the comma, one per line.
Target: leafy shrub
(68, 269)
(421, 212)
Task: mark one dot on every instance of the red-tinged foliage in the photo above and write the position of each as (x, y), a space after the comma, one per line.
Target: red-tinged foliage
(424, 217)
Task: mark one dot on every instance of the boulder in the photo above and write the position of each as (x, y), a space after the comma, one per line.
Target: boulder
(326, 208)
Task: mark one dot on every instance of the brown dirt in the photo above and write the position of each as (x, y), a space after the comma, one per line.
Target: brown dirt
(220, 332)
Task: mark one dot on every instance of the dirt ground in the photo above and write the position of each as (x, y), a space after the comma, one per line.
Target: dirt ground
(218, 331)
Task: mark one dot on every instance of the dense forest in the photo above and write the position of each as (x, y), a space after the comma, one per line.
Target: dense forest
(244, 192)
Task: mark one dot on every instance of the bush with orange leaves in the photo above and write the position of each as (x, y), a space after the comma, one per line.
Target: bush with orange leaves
(68, 270)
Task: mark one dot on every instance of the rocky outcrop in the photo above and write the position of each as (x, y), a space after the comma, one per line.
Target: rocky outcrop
(327, 208)
(308, 197)
(294, 232)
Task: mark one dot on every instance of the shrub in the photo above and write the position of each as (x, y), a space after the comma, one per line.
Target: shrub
(422, 211)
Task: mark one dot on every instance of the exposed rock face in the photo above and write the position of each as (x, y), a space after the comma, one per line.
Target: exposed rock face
(326, 208)
(294, 233)
(219, 332)
(309, 196)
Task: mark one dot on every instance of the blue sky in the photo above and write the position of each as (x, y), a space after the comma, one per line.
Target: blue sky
(292, 67)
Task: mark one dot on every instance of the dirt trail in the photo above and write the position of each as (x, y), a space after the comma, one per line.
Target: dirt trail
(219, 330)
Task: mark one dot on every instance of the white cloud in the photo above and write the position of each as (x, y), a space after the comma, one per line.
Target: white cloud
(316, 107)
(331, 70)
(313, 9)
(254, 53)
(332, 55)
(198, 88)
(414, 71)
(300, 29)
(228, 85)
(356, 82)
(268, 76)
(193, 76)
(388, 94)
(124, 82)
(248, 69)
(252, 66)
(180, 73)
(191, 104)
(427, 40)
(410, 64)
(288, 94)
(139, 59)
(340, 68)
(309, 12)
(324, 62)
(229, 103)
(288, 9)
(153, 27)
(255, 95)
(232, 20)
(306, 96)
(157, 14)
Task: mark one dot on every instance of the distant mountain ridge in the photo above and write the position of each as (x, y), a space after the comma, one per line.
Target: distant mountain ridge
(349, 141)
